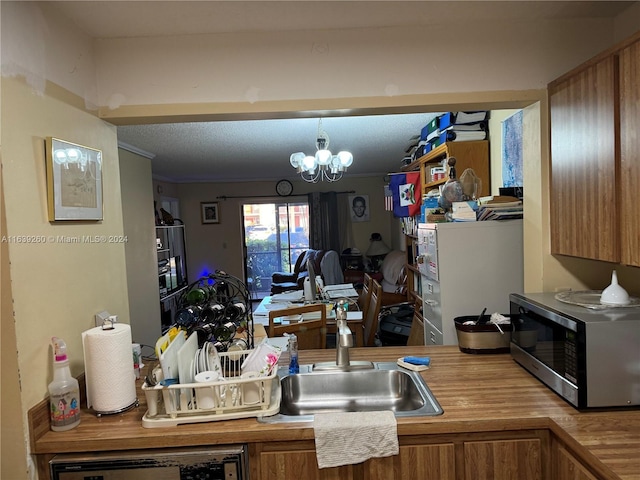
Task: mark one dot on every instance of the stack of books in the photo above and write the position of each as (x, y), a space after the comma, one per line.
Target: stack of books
(448, 127)
(499, 208)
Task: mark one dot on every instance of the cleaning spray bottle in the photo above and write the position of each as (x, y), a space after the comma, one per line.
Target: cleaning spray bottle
(64, 391)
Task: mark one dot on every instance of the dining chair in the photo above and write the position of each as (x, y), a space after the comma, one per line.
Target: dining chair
(365, 294)
(373, 310)
(311, 332)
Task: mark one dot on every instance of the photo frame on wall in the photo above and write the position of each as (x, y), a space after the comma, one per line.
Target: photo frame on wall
(74, 181)
(209, 212)
(359, 208)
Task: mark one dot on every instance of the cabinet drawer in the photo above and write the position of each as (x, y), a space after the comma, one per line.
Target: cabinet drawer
(432, 336)
(431, 306)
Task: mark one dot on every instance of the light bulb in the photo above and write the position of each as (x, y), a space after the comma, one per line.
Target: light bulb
(296, 159)
(346, 158)
(309, 163)
(323, 157)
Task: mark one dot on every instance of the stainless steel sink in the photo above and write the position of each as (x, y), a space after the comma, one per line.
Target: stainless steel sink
(385, 387)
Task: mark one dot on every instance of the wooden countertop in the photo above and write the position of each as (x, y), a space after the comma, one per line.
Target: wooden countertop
(479, 393)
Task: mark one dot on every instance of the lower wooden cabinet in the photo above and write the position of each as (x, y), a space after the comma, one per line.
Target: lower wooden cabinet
(567, 465)
(294, 460)
(424, 462)
(504, 460)
(492, 456)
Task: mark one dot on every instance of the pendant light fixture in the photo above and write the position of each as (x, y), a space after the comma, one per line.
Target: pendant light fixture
(323, 166)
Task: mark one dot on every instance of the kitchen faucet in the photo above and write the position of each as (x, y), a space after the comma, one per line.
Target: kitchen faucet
(344, 341)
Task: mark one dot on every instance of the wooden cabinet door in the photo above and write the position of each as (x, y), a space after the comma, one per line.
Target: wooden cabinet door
(584, 213)
(503, 460)
(424, 462)
(568, 467)
(299, 464)
(630, 154)
(289, 460)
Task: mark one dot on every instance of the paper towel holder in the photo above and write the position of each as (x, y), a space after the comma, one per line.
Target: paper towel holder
(105, 320)
(108, 325)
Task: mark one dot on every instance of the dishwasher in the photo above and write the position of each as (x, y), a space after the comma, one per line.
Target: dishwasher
(216, 463)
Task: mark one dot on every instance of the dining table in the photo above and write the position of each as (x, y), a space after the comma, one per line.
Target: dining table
(355, 319)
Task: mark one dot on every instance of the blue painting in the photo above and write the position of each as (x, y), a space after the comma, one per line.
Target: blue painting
(512, 150)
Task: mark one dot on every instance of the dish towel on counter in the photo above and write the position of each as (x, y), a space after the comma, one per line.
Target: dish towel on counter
(353, 437)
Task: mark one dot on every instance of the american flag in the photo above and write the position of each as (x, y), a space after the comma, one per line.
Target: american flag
(388, 199)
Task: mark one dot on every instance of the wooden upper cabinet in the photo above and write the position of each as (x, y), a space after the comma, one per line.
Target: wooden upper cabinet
(595, 176)
(630, 153)
(584, 219)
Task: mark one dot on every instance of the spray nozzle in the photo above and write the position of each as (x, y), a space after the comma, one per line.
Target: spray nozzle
(59, 349)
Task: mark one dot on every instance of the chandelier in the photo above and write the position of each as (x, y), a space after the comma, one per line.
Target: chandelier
(324, 165)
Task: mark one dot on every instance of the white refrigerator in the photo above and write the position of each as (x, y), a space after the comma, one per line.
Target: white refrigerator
(466, 267)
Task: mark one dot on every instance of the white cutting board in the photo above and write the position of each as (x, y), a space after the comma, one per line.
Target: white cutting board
(169, 358)
(186, 354)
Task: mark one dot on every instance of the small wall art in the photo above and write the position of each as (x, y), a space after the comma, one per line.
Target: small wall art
(74, 181)
(512, 172)
(209, 212)
(359, 208)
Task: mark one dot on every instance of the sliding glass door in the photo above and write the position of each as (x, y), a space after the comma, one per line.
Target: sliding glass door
(275, 234)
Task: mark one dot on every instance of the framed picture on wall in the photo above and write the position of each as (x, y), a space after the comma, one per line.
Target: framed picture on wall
(359, 208)
(209, 212)
(74, 181)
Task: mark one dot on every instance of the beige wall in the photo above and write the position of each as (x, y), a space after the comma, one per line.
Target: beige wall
(381, 62)
(56, 287)
(13, 441)
(140, 250)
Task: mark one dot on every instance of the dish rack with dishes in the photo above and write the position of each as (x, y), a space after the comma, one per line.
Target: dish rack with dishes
(230, 396)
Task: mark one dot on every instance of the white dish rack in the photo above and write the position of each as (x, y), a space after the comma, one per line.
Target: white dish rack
(171, 405)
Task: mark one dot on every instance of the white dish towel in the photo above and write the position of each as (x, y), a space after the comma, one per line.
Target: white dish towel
(353, 437)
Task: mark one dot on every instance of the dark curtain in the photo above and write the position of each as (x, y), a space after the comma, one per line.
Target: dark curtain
(324, 228)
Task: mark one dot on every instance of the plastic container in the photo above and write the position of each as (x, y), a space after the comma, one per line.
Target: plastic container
(293, 354)
(64, 391)
(484, 338)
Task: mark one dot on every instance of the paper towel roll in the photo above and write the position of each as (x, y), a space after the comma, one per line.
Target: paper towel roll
(109, 373)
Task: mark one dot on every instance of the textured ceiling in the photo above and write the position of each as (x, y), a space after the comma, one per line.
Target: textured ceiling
(260, 149)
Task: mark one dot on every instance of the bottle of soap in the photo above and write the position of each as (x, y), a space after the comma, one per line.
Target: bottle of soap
(293, 354)
(64, 391)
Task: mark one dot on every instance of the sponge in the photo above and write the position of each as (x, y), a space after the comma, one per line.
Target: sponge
(417, 364)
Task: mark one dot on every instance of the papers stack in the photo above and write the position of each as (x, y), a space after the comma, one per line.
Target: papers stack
(287, 297)
(500, 208)
(334, 292)
(463, 211)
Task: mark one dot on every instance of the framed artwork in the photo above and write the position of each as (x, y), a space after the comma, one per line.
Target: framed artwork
(512, 174)
(74, 181)
(209, 212)
(359, 208)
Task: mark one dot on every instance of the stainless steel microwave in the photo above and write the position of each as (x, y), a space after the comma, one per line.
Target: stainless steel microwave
(589, 357)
